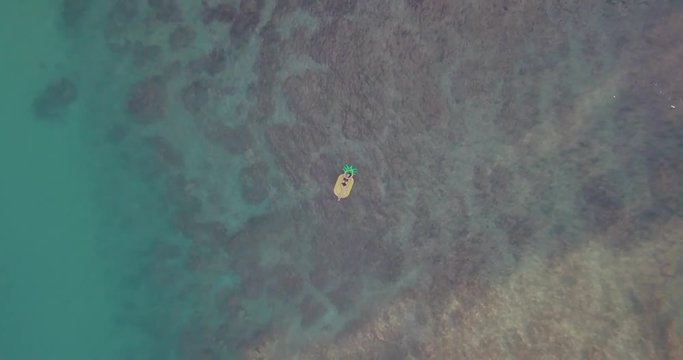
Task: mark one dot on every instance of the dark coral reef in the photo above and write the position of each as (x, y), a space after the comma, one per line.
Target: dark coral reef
(147, 99)
(54, 100)
(516, 162)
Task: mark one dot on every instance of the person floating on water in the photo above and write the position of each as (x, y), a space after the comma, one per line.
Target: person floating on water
(342, 188)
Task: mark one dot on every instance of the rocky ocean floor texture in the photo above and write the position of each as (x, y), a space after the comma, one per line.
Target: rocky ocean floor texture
(519, 195)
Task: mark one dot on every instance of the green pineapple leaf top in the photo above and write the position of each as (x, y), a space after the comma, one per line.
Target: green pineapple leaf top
(348, 168)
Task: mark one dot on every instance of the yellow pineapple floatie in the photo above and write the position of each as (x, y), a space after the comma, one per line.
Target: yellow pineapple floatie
(342, 188)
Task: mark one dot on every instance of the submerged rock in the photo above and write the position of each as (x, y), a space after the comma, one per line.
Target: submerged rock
(181, 37)
(235, 140)
(222, 12)
(343, 297)
(73, 11)
(244, 23)
(165, 10)
(54, 100)
(674, 342)
(214, 62)
(254, 181)
(287, 282)
(147, 99)
(602, 201)
(196, 96)
(247, 19)
(123, 12)
(116, 133)
(164, 151)
(120, 17)
(146, 55)
(311, 311)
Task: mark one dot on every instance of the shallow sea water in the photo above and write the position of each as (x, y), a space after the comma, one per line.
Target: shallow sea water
(72, 238)
(519, 195)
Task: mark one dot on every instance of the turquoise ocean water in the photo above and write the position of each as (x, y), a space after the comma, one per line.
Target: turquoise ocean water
(72, 239)
(57, 292)
(166, 169)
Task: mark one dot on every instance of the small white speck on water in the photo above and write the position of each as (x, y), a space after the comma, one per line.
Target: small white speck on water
(673, 106)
